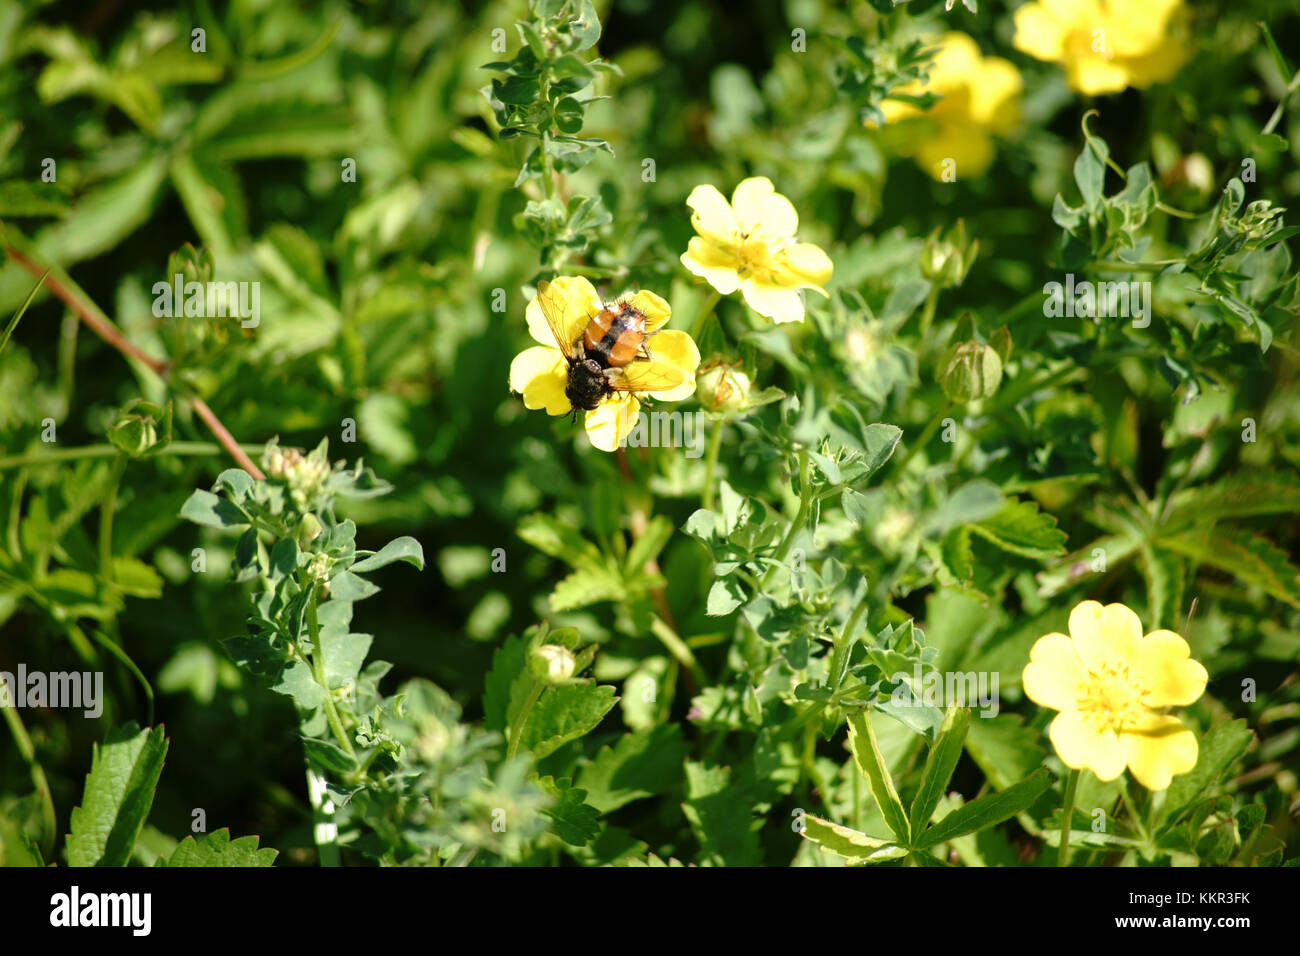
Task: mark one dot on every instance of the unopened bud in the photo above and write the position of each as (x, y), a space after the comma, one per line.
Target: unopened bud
(552, 663)
(722, 388)
(970, 371)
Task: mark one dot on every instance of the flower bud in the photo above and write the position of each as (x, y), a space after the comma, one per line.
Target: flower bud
(552, 663)
(140, 427)
(970, 372)
(946, 258)
(309, 529)
(722, 388)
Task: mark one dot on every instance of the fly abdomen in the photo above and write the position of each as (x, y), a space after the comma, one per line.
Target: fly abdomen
(614, 335)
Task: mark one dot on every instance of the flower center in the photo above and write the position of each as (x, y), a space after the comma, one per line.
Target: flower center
(756, 254)
(1112, 700)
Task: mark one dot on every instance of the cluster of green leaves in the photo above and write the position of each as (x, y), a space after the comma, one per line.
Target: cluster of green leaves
(543, 95)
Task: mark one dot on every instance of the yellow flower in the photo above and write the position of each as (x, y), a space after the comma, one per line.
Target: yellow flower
(1111, 686)
(541, 373)
(749, 245)
(1104, 45)
(980, 97)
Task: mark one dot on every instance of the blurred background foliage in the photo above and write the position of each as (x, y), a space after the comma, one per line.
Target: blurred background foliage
(376, 305)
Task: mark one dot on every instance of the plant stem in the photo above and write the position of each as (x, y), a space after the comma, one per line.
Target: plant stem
(517, 728)
(1281, 105)
(53, 456)
(106, 509)
(711, 463)
(926, 434)
(28, 753)
(321, 678)
(325, 833)
(796, 525)
(1067, 814)
(927, 314)
(679, 649)
(705, 311)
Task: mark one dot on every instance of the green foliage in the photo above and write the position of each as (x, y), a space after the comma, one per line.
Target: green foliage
(476, 639)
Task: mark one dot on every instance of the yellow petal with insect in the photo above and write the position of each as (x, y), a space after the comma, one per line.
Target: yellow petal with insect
(656, 310)
(608, 424)
(575, 299)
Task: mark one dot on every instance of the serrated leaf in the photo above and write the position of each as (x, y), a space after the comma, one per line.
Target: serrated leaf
(509, 665)
(573, 820)
(720, 817)
(1246, 556)
(118, 795)
(587, 586)
(851, 844)
(1021, 529)
(565, 713)
(939, 766)
(866, 752)
(217, 849)
(1163, 572)
(639, 765)
(552, 537)
(1219, 748)
(1240, 496)
(987, 811)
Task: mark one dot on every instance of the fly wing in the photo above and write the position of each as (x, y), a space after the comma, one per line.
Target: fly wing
(555, 309)
(647, 377)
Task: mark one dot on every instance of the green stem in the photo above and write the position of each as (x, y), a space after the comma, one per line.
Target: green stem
(106, 510)
(927, 314)
(796, 525)
(697, 326)
(1281, 105)
(318, 673)
(55, 455)
(325, 832)
(28, 752)
(711, 463)
(1067, 814)
(679, 649)
(926, 435)
(517, 728)
(842, 645)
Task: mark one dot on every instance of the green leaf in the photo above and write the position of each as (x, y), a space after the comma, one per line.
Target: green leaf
(552, 537)
(939, 766)
(205, 508)
(17, 316)
(852, 844)
(1004, 748)
(217, 849)
(725, 596)
(1163, 573)
(572, 819)
(1090, 173)
(862, 741)
(119, 793)
(987, 811)
(1220, 747)
(639, 765)
(132, 576)
(587, 586)
(399, 549)
(1248, 557)
(1244, 495)
(1021, 529)
(506, 683)
(565, 713)
(720, 817)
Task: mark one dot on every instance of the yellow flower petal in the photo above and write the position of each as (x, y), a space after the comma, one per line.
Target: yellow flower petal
(1105, 635)
(778, 303)
(1169, 677)
(579, 302)
(713, 264)
(711, 216)
(761, 210)
(1158, 753)
(994, 94)
(807, 264)
(1096, 76)
(540, 374)
(1054, 674)
(1081, 746)
(609, 423)
(678, 350)
(1038, 33)
(656, 310)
